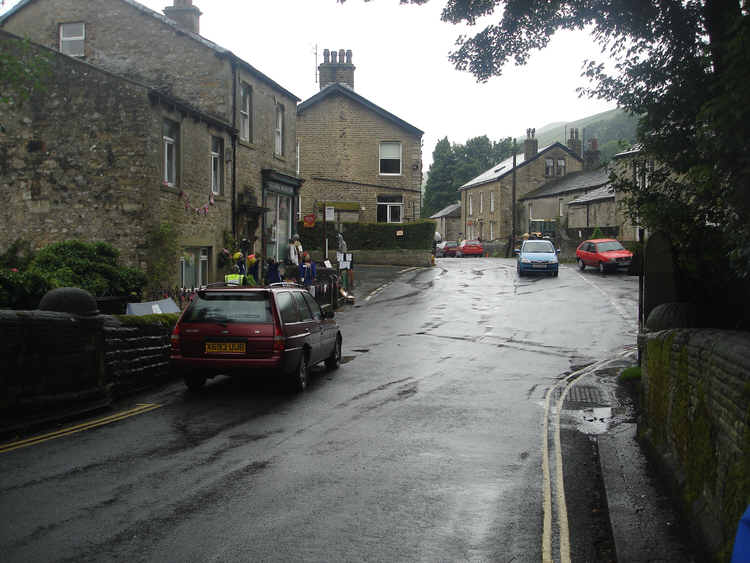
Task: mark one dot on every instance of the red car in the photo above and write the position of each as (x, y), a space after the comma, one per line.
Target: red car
(603, 253)
(446, 248)
(279, 329)
(469, 248)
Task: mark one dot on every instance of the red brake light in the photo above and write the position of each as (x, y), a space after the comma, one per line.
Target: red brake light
(278, 338)
(175, 340)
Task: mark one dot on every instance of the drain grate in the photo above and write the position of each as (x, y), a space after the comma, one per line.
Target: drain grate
(583, 396)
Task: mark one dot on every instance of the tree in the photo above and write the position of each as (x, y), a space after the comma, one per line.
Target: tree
(454, 165)
(682, 65)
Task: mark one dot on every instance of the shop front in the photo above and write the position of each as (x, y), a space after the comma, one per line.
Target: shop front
(280, 199)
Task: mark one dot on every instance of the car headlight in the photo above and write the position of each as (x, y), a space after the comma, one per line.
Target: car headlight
(613, 259)
(525, 260)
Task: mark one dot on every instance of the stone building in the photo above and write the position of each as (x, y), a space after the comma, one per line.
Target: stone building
(487, 200)
(448, 221)
(354, 155)
(248, 172)
(594, 209)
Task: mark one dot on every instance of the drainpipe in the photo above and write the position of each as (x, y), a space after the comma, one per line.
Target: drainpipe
(234, 150)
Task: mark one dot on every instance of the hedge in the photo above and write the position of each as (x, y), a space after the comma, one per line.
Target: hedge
(418, 235)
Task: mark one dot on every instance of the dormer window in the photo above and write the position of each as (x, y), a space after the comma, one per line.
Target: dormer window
(72, 37)
(549, 167)
(561, 167)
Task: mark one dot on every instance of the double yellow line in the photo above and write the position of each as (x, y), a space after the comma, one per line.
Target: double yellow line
(139, 409)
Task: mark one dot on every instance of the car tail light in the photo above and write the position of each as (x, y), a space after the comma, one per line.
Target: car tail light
(175, 340)
(278, 338)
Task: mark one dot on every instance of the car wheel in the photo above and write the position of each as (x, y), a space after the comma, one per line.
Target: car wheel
(298, 378)
(195, 382)
(581, 265)
(458, 255)
(554, 274)
(601, 267)
(334, 360)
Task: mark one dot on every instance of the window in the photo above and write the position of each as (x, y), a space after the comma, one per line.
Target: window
(246, 113)
(390, 208)
(72, 37)
(304, 310)
(549, 166)
(194, 267)
(561, 167)
(287, 307)
(492, 202)
(471, 208)
(279, 131)
(492, 230)
(314, 307)
(390, 158)
(481, 202)
(171, 136)
(217, 164)
(560, 204)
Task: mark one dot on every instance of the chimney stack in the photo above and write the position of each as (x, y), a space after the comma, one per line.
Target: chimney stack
(336, 67)
(530, 145)
(574, 143)
(185, 14)
(591, 156)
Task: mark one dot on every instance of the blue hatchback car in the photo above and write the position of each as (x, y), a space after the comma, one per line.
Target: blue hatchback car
(537, 256)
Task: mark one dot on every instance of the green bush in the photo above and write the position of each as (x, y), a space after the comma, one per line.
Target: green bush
(632, 373)
(90, 266)
(371, 236)
(22, 290)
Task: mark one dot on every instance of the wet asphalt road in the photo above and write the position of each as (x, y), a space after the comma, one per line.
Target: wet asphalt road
(425, 445)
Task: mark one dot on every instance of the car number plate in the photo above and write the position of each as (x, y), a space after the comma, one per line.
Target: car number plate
(539, 265)
(225, 347)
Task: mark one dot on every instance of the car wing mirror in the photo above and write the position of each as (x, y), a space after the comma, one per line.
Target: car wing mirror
(558, 251)
(516, 251)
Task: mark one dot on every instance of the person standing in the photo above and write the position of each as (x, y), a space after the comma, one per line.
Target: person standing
(307, 271)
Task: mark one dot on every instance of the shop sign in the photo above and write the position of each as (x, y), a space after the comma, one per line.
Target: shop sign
(308, 220)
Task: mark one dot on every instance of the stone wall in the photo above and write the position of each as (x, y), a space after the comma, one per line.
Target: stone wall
(51, 360)
(339, 157)
(392, 257)
(595, 214)
(696, 419)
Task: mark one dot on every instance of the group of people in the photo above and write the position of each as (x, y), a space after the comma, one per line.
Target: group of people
(297, 267)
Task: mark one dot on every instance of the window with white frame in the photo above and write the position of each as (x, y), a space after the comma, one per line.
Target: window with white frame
(390, 158)
(390, 208)
(492, 230)
(492, 202)
(246, 113)
(561, 205)
(171, 161)
(72, 38)
(194, 267)
(549, 167)
(279, 131)
(481, 202)
(561, 167)
(471, 208)
(217, 165)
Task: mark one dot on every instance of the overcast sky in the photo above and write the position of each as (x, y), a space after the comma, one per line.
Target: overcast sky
(401, 58)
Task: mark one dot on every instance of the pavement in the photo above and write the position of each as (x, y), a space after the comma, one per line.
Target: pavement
(645, 526)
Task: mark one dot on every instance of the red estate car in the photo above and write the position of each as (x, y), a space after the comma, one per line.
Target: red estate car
(278, 329)
(603, 253)
(469, 248)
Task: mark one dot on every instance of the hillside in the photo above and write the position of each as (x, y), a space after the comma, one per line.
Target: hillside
(611, 128)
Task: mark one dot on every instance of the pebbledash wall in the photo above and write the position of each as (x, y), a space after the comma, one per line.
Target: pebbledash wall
(696, 419)
(82, 159)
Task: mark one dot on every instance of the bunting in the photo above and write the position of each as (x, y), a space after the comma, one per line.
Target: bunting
(203, 209)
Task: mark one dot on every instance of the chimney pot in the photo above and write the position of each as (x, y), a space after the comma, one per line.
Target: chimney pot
(336, 67)
(342, 56)
(334, 56)
(326, 55)
(349, 56)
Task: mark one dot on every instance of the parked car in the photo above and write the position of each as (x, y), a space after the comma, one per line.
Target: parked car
(603, 253)
(279, 329)
(446, 248)
(537, 256)
(469, 248)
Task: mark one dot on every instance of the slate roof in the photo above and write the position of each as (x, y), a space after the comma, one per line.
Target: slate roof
(506, 166)
(338, 88)
(573, 182)
(599, 194)
(171, 23)
(453, 209)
